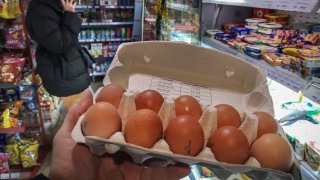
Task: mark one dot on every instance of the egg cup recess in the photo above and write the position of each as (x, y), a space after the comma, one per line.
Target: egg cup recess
(161, 149)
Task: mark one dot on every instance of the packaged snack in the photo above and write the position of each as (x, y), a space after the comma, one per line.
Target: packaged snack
(260, 49)
(13, 151)
(312, 154)
(312, 38)
(29, 154)
(224, 36)
(268, 28)
(240, 30)
(253, 54)
(260, 12)
(254, 22)
(279, 18)
(4, 166)
(8, 72)
(27, 92)
(276, 59)
(312, 47)
(14, 35)
(228, 26)
(251, 39)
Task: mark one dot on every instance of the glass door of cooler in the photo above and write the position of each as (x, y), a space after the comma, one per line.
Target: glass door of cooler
(172, 20)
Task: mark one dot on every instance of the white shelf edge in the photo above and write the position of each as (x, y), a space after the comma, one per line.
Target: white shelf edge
(287, 78)
(287, 5)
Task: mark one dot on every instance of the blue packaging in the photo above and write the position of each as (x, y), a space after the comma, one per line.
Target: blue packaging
(224, 36)
(260, 49)
(240, 30)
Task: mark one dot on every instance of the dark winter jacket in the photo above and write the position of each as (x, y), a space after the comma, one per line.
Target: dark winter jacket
(60, 63)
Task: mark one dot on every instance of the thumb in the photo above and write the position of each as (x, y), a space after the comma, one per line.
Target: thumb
(85, 101)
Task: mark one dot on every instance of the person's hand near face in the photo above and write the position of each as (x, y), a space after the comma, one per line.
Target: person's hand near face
(75, 161)
(69, 5)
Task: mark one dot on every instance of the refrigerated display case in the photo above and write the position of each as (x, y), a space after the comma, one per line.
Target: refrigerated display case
(172, 20)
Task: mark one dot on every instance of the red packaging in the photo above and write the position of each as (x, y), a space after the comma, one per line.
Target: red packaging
(260, 12)
(14, 36)
(128, 33)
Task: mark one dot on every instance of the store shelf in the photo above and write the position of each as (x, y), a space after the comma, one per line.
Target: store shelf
(32, 126)
(288, 5)
(286, 78)
(111, 40)
(17, 175)
(183, 8)
(84, 7)
(7, 85)
(99, 24)
(12, 130)
(98, 74)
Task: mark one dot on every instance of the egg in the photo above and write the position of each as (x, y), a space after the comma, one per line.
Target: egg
(188, 105)
(184, 135)
(227, 115)
(111, 93)
(102, 120)
(267, 124)
(149, 99)
(230, 145)
(272, 151)
(143, 128)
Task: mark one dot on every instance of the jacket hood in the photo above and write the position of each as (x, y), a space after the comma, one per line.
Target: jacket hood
(55, 4)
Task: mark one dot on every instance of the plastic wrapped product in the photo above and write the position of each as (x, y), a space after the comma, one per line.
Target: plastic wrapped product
(279, 18)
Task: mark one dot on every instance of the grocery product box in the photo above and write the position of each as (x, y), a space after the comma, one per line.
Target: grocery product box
(175, 69)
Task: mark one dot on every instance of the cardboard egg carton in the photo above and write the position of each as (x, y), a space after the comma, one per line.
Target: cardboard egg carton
(175, 69)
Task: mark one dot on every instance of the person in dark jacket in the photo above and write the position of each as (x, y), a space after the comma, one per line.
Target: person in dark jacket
(55, 26)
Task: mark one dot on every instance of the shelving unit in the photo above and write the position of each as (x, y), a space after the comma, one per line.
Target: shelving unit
(112, 25)
(98, 24)
(288, 5)
(178, 21)
(12, 130)
(287, 78)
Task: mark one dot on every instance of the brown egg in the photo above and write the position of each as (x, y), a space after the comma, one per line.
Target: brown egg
(184, 135)
(143, 128)
(272, 151)
(230, 145)
(111, 93)
(102, 120)
(227, 116)
(188, 105)
(267, 124)
(149, 99)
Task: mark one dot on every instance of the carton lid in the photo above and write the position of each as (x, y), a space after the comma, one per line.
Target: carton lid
(174, 69)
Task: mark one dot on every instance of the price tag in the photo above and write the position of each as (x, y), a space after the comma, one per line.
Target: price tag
(15, 175)
(5, 176)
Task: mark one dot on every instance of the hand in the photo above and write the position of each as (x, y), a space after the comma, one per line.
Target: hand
(71, 160)
(69, 5)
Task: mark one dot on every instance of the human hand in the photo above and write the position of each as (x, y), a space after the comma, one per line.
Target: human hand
(69, 5)
(71, 160)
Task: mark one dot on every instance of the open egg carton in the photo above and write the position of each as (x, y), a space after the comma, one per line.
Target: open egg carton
(175, 69)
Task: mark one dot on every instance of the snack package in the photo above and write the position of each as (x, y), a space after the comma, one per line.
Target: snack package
(13, 151)
(4, 166)
(8, 72)
(27, 92)
(260, 49)
(312, 38)
(14, 35)
(276, 59)
(29, 154)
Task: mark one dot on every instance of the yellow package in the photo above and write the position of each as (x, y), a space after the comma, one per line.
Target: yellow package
(29, 155)
(291, 52)
(13, 150)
